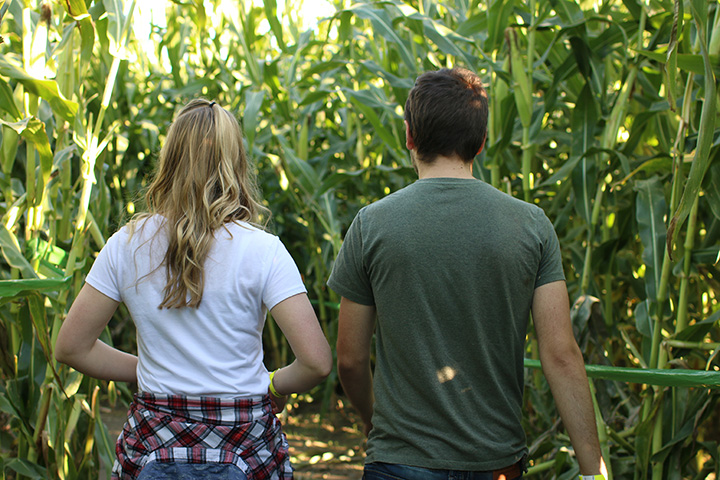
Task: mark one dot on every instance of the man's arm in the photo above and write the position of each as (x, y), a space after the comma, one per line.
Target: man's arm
(564, 368)
(355, 329)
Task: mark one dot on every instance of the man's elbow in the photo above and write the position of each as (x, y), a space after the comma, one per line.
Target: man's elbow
(350, 366)
(562, 359)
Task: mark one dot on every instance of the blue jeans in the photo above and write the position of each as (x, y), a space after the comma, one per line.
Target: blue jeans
(388, 471)
(190, 471)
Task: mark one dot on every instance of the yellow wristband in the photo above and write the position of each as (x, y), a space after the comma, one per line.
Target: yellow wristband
(592, 477)
(272, 387)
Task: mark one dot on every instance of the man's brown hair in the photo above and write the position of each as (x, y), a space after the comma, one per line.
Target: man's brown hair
(447, 113)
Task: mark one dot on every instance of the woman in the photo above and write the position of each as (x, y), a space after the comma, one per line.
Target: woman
(197, 277)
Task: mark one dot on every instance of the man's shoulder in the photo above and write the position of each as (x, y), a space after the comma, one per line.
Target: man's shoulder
(388, 203)
(508, 201)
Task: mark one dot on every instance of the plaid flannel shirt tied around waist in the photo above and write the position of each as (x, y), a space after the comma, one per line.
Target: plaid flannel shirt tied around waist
(176, 428)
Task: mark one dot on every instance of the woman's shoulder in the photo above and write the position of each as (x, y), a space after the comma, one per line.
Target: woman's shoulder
(143, 225)
(247, 231)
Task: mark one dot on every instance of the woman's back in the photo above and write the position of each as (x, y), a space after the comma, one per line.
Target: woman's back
(212, 350)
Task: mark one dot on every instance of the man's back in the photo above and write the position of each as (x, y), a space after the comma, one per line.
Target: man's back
(451, 266)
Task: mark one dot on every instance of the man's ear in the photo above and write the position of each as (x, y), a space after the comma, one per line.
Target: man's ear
(482, 146)
(409, 141)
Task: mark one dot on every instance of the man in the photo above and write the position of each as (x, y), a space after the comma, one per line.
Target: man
(452, 268)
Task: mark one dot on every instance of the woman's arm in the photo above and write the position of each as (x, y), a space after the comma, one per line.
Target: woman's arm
(313, 359)
(77, 343)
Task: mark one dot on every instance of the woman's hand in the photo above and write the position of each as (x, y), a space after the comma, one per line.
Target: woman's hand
(278, 403)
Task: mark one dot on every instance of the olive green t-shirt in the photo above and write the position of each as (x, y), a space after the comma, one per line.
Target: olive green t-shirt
(451, 266)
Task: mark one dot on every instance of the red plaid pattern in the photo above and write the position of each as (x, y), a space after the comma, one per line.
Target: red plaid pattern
(176, 428)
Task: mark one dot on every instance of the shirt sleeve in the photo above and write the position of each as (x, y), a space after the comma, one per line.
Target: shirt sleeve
(283, 279)
(550, 268)
(349, 277)
(103, 275)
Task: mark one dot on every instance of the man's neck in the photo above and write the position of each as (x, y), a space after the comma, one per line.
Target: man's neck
(444, 167)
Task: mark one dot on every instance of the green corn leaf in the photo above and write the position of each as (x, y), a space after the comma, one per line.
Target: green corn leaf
(384, 27)
(22, 287)
(584, 122)
(583, 56)
(643, 319)
(12, 254)
(271, 16)
(26, 468)
(671, 63)
(569, 12)
(368, 105)
(337, 178)
(711, 187)
(38, 314)
(46, 89)
(687, 62)
(322, 67)
(118, 25)
(251, 114)
(445, 38)
(697, 331)
(584, 182)
(79, 12)
(33, 130)
(648, 376)
(477, 24)
(498, 15)
(651, 209)
(10, 140)
(314, 96)
(303, 175)
(395, 81)
(523, 95)
(584, 178)
(7, 101)
(706, 133)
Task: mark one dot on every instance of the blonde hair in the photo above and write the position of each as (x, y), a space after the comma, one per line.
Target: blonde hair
(203, 181)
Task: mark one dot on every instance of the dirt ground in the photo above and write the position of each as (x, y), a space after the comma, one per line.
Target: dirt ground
(328, 445)
(323, 445)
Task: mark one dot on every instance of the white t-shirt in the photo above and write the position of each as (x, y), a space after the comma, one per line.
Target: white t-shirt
(215, 349)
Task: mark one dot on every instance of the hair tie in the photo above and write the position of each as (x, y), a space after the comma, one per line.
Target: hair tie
(211, 104)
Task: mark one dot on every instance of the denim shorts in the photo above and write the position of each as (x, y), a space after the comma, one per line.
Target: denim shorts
(388, 471)
(190, 471)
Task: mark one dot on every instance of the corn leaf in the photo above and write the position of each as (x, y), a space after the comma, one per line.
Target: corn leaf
(33, 130)
(21, 287)
(651, 209)
(46, 89)
(12, 254)
(648, 376)
(7, 101)
(384, 27)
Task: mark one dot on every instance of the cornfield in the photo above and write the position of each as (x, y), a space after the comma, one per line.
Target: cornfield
(604, 113)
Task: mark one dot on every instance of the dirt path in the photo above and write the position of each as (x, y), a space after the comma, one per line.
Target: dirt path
(324, 446)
